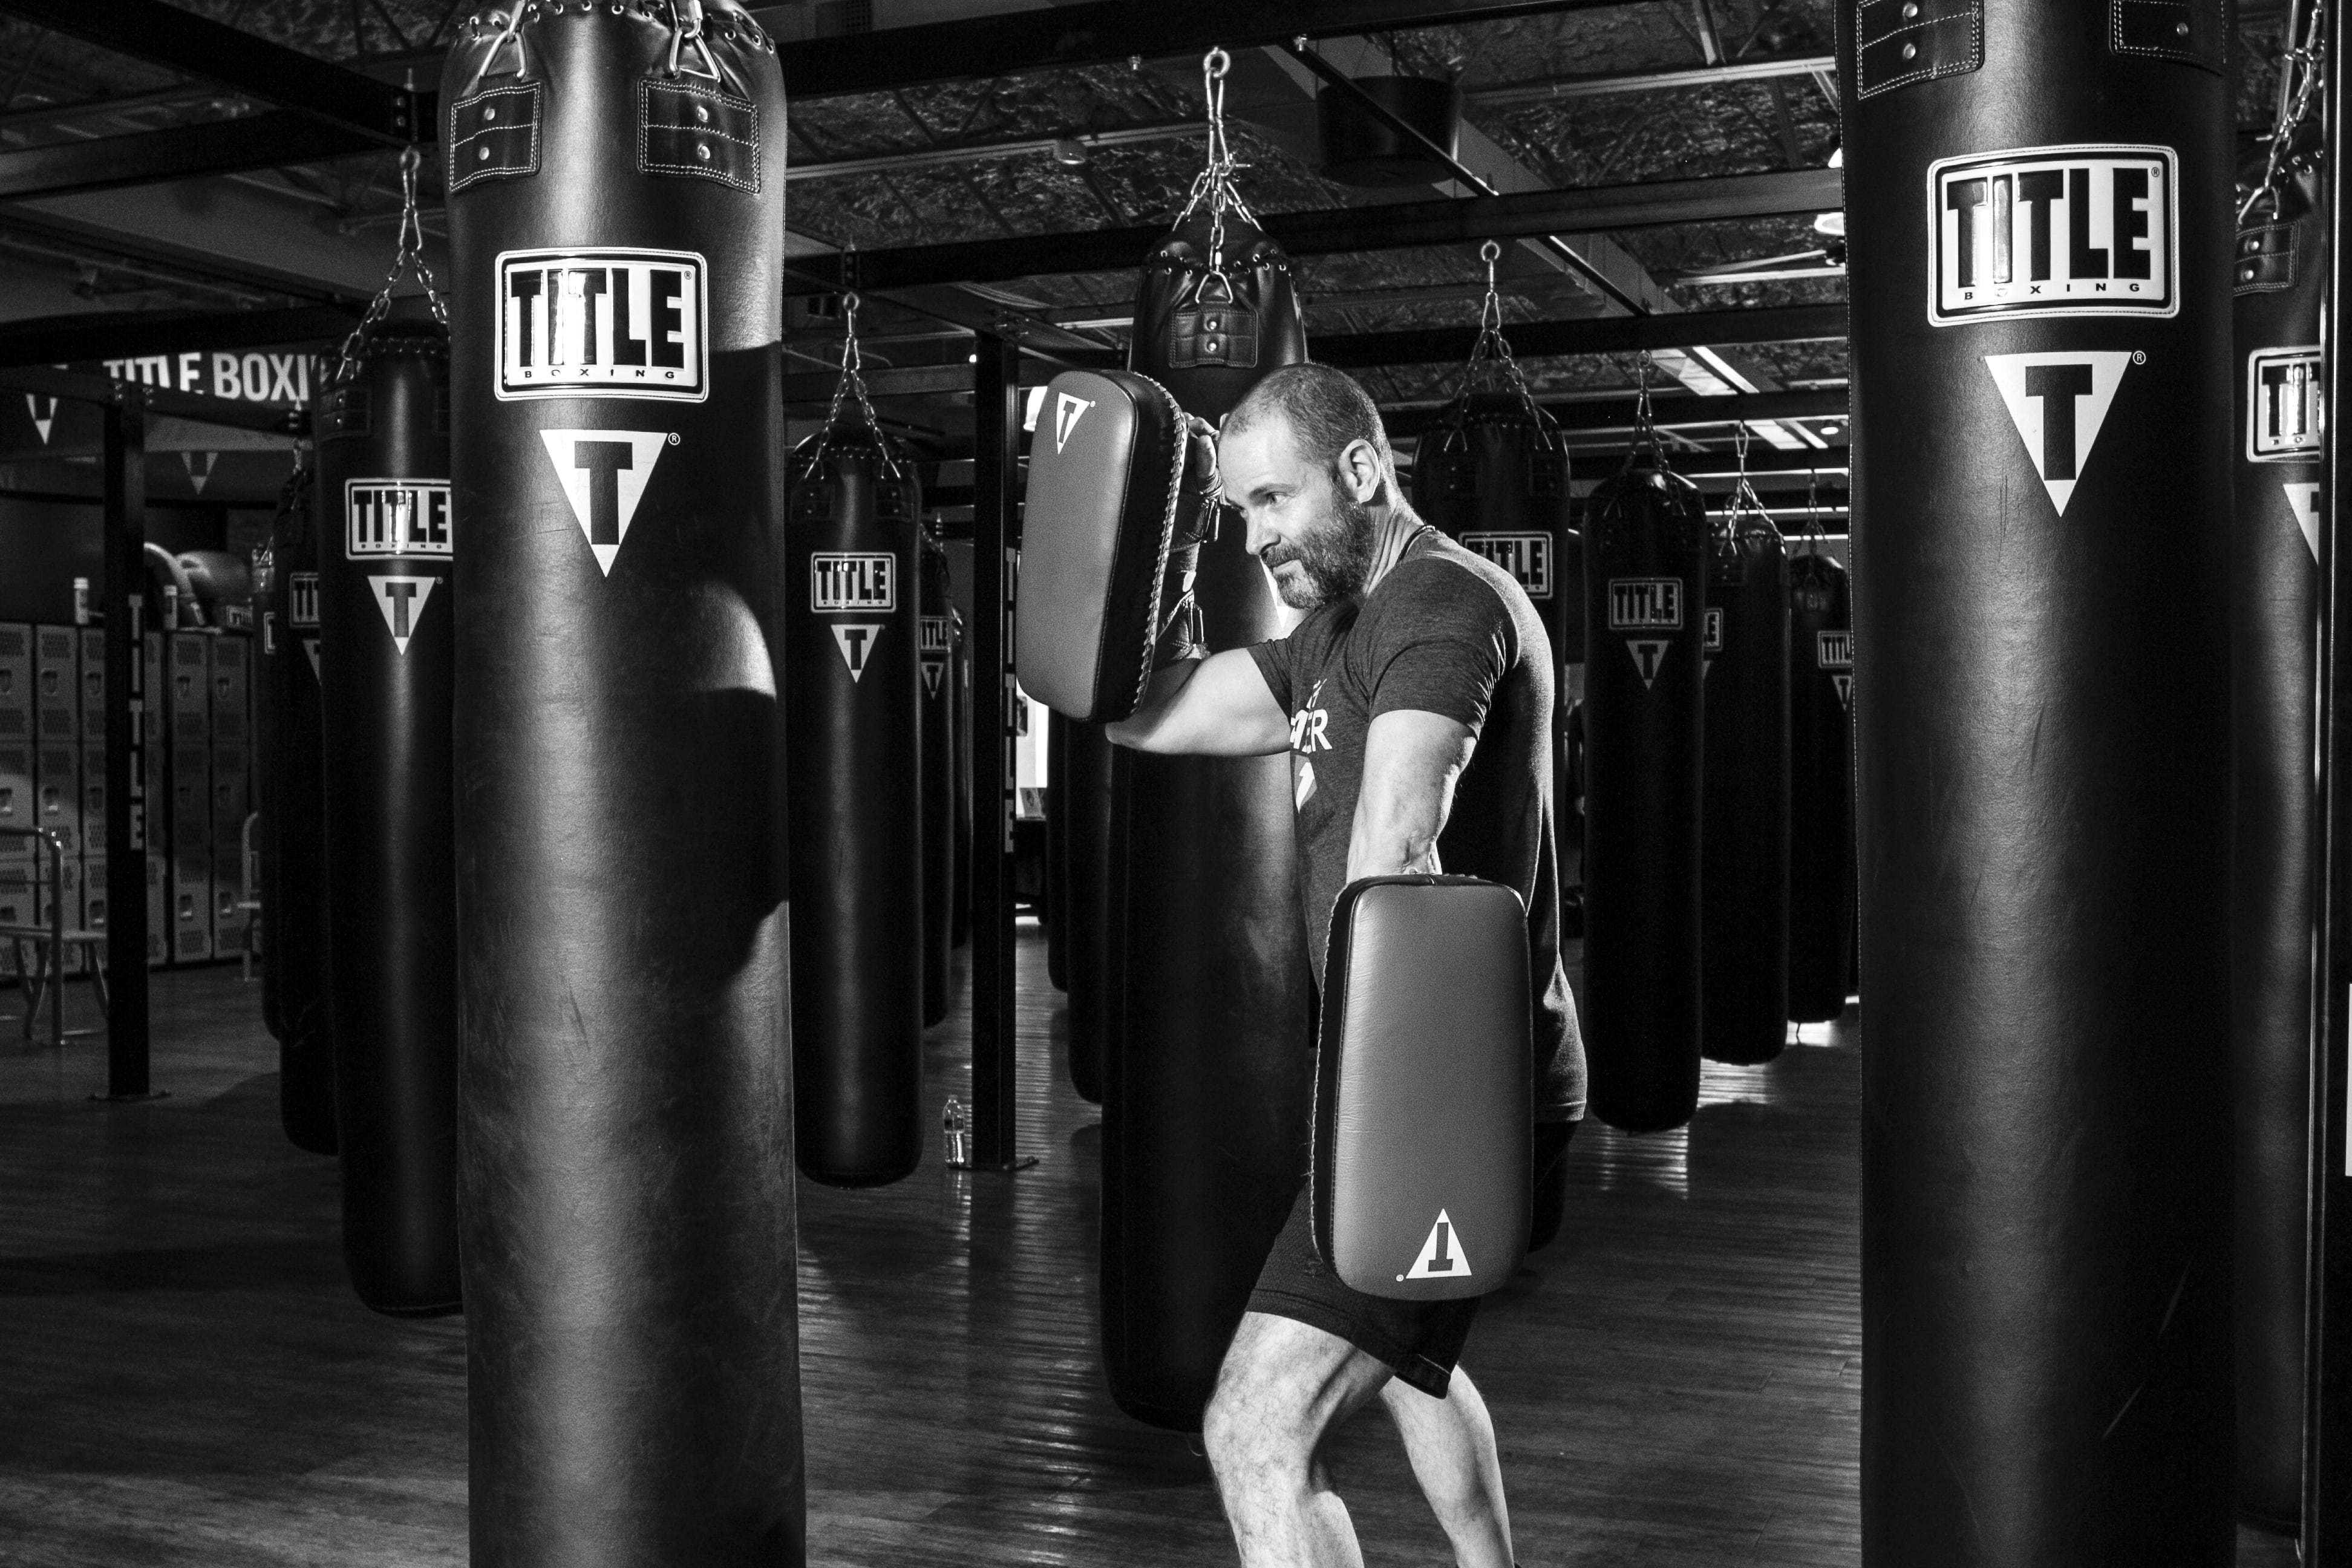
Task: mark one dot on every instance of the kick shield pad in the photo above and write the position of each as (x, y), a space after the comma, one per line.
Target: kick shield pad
(1422, 1109)
(1104, 479)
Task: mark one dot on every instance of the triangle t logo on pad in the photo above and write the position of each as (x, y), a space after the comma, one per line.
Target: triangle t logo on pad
(604, 474)
(402, 600)
(1067, 412)
(1441, 1256)
(2303, 499)
(2058, 402)
(1648, 653)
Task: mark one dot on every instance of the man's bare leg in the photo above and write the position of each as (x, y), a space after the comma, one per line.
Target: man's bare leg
(1284, 1385)
(1451, 1442)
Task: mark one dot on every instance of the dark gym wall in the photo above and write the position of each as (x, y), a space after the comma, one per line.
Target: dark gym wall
(47, 544)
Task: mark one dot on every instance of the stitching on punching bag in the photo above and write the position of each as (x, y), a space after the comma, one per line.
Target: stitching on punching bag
(1917, 42)
(704, 133)
(2185, 31)
(2265, 262)
(480, 148)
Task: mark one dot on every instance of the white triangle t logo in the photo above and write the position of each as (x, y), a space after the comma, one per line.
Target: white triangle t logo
(2058, 402)
(604, 474)
(402, 600)
(1649, 653)
(856, 644)
(2305, 500)
(311, 647)
(1067, 412)
(1441, 1256)
(41, 421)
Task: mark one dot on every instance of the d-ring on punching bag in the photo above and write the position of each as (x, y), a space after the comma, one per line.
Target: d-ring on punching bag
(617, 222)
(2037, 205)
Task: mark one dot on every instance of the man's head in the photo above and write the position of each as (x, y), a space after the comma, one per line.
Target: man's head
(1306, 460)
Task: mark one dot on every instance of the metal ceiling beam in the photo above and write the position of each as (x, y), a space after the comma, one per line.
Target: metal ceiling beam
(1599, 83)
(1001, 147)
(1597, 415)
(116, 334)
(182, 40)
(195, 406)
(147, 157)
(1106, 32)
(1592, 335)
(1340, 230)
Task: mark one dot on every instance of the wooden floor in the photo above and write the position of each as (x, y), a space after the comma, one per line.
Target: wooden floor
(184, 1378)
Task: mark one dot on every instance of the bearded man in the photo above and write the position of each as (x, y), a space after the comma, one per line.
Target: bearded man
(1415, 701)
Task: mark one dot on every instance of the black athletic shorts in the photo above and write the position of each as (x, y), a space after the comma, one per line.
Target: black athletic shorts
(1418, 1340)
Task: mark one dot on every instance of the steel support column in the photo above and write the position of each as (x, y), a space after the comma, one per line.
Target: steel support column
(127, 807)
(996, 477)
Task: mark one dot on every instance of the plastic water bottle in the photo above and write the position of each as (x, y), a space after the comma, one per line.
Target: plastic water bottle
(957, 1128)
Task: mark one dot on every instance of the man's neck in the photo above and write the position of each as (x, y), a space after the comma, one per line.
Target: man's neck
(1394, 529)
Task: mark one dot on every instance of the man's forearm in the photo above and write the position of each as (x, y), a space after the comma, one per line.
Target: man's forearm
(1145, 728)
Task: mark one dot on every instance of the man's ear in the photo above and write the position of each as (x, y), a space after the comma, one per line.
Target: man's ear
(1360, 467)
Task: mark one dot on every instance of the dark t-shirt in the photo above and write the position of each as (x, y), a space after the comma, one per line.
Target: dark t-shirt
(1449, 632)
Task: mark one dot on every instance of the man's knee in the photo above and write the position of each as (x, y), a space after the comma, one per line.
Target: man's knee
(1281, 1386)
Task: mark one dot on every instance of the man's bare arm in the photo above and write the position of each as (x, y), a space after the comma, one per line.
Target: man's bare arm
(1413, 759)
(1215, 707)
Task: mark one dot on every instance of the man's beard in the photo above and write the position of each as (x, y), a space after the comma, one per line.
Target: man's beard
(1335, 556)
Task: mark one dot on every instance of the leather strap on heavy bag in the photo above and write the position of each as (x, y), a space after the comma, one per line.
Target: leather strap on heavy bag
(1208, 1084)
(853, 709)
(2278, 277)
(387, 645)
(617, 231)
(1744, 819)
(938, 782)
(2037, 218)
(1820, 787)
(1424, 1117)
(293, 825)
(1645, 582)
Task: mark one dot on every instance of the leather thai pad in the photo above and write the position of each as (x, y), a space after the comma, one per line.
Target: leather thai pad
(1103, 474)
(1421, 1101)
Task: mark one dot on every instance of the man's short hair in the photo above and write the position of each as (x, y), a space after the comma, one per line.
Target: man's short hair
(1326, 409)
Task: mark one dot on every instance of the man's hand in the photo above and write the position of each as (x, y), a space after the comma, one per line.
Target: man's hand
(1413, 759)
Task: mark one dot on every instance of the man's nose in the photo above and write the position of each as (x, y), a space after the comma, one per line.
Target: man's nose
(1259, 535)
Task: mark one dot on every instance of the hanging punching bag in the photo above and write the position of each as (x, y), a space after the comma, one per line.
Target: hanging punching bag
(959, 689)
(1084, 790)
(1207, 1091)
(2278, 273)
(1820, 788)
(1057, 855)
(1645, 583)
(386, 641)
(938, 753)
(1492, 474)
(2037, 206)
(854, 707)
(616, 223)
(1743, 886)
(293, 825)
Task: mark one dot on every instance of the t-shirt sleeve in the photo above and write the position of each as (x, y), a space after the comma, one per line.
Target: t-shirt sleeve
(1274, 663)
(1441, 647)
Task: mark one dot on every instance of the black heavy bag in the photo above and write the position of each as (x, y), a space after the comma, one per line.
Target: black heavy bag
(1743, 886)
(385, 650)
(1645, 582)
(939, 757)
(1492, 474)
(617, 235)
(1083, 791)
(1820, 788)
(1423, 1118)
(959, 689)
(854, 709)
(294, 827)
(1057, 856)
(2037, 206)
(2277, 278)
(1206, 1092)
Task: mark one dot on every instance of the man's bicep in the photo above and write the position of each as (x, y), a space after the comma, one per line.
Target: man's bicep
(1219, 706)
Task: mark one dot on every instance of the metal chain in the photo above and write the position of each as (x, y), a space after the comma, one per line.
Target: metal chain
(1745, 501)
(1645, 432)
(1214, 182)
(409, 257)
(853, 383)
(2302, 73)
(1491, 362)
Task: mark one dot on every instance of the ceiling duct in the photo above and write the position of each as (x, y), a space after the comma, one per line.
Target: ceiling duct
(1359, 148)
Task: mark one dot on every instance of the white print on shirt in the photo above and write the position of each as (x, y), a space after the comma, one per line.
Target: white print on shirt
(1309, 725)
